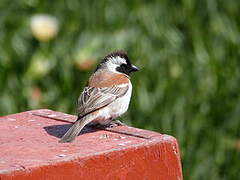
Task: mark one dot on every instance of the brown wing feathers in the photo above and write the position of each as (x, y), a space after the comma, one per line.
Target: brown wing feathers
(101, 90)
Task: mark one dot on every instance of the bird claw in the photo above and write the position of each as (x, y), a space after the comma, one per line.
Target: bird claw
(112, 124)
(116, 123)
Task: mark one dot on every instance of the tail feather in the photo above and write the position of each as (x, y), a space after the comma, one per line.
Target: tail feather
(72, 133)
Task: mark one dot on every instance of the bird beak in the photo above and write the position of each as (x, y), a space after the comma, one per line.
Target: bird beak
(134, 68)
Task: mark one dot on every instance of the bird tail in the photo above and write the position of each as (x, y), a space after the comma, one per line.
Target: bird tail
(72, 133)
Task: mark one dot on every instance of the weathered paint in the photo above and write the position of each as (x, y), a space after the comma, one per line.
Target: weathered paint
(29, 149)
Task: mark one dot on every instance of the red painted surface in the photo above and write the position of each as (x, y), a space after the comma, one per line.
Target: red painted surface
(29, 149)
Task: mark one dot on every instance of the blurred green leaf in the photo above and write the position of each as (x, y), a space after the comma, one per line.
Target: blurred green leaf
(188, 53)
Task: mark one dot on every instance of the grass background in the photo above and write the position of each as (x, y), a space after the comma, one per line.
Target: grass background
(188, 52)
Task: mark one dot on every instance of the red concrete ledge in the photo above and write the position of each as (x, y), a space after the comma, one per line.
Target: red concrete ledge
(30, 150)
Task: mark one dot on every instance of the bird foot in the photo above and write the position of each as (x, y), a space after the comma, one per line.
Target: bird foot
(116, 123)
(112, 124)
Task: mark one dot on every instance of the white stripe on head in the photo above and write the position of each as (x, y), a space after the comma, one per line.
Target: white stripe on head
(113, 62)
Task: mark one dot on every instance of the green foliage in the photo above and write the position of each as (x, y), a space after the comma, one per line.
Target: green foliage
(188, 52)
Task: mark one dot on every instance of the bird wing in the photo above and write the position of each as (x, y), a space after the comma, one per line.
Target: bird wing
(94, 98)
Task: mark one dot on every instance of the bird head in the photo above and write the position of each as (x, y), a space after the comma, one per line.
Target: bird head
(117, 62)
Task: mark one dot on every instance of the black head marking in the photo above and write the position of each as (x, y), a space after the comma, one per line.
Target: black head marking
(120, 53)
(123, 68)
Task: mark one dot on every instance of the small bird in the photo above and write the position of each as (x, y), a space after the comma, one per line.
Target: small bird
(106, 95)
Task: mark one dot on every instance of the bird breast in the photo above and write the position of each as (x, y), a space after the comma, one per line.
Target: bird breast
(115, 109)
(120, 105)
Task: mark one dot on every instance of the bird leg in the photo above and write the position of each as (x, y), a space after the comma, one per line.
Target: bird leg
(115, 123)
(112, 123)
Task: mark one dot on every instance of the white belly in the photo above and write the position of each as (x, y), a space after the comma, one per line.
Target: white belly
(120, 106)
(115, 109)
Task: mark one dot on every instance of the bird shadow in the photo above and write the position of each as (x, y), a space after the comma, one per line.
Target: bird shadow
(59, 130)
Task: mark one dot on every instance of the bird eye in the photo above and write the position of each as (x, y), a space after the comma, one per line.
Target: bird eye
(123, 65)
(123, 68)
